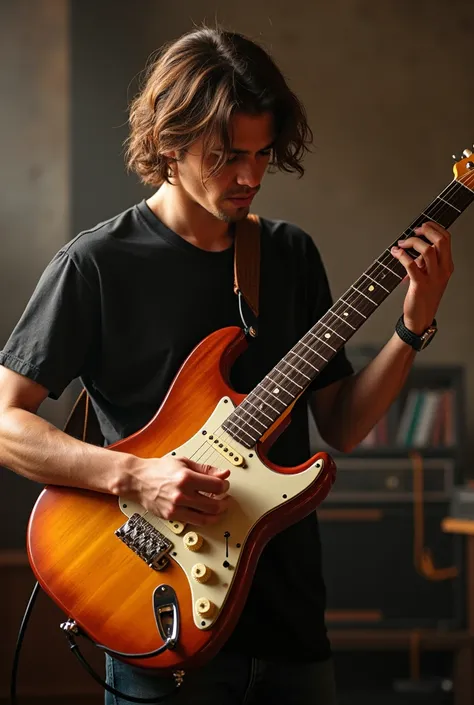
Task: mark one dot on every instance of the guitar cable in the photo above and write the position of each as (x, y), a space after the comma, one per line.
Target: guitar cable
(77, 653)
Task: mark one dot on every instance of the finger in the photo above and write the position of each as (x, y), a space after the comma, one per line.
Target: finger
(191, 516)
(207, 478)
(414, 272)
(206, 505)
(440, 238)
(429, 256)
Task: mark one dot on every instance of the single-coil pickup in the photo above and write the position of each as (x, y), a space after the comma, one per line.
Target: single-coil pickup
(226, 450)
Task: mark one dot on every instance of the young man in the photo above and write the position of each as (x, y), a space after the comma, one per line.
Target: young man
(123, 304)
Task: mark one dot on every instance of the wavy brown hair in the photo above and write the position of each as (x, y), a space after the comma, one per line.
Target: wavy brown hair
(193, 89)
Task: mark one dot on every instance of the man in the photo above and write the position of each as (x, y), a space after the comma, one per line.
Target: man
(122, 305)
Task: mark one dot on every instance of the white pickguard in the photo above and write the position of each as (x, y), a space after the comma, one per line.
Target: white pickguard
(254, 491)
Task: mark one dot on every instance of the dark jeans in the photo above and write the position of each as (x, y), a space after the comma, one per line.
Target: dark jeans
(230, 679)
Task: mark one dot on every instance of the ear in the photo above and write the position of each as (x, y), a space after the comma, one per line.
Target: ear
(172, 155)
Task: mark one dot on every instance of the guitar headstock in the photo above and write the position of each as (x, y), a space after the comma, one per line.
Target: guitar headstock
(464, 168)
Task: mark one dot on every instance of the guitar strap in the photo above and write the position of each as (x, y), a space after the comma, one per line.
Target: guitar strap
(82, 422)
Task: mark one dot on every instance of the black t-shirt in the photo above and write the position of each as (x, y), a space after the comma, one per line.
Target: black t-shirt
(122, 305)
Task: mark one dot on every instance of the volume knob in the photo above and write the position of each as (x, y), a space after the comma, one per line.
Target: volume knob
(205, 608)
(192, 541)
(201, 573)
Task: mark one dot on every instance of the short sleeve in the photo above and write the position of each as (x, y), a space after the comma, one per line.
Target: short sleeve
(319, 302)
(53, 340)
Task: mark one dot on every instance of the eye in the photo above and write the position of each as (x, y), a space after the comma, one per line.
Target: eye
(266, 153)
(231, 160)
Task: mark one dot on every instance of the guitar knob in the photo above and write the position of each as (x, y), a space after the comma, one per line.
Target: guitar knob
(205, 608)
(192, 541)
(201, 573)
(467, 153)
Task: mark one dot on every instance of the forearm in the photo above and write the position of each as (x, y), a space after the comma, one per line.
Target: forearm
(34, 448)
(365, 397)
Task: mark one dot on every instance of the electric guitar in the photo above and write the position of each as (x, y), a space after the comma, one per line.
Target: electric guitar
(162, 595)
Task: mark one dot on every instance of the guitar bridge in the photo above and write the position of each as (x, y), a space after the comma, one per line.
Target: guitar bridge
(146, 541)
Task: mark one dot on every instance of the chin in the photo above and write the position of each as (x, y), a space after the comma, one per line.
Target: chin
(233, 217)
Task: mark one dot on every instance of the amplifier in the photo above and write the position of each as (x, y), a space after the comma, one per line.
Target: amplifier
(375, 540)
(377, 480)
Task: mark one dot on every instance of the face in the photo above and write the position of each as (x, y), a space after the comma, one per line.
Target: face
(229, 194)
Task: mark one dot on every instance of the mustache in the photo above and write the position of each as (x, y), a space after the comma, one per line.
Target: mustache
(243, 193)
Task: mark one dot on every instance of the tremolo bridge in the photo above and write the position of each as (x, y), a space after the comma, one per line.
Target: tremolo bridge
(146, 541)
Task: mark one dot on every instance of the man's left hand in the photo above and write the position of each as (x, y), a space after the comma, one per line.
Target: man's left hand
(428, 274)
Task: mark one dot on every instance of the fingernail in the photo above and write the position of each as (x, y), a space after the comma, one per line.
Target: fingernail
(395, 249)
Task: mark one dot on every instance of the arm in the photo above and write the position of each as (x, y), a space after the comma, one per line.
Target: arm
(347, 410)
(36, 449)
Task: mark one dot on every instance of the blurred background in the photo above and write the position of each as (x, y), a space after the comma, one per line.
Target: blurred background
(387, 87)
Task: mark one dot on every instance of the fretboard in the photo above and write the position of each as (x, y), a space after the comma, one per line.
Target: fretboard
(294, 373)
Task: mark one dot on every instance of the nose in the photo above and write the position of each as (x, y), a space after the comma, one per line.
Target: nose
(249, 174)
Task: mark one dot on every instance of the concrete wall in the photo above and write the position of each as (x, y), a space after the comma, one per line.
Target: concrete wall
(386, 86)
(387, 89)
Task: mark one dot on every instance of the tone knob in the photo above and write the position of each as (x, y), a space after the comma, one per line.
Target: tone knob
(192, 541)
(205, 608)
(201, 573)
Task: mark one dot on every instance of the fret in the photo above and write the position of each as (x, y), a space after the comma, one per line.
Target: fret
(323, 341)
(277, 388)
(288, 377)
(260, 411)
(315, 351)
(296, 369)
(332, 330)
(353, 307)
(239, 409)
(233, 423)
(440, 198)
(389, 269)
(367, 297)
(304, 360)
(343, 320)
(430, 217)
(375, 293)
(377, 282)
(264, 405)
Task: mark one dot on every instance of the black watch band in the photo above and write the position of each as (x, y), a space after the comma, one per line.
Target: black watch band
(417, 342)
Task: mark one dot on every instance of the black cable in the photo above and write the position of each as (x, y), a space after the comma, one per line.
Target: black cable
(75, 650)
(19, 642)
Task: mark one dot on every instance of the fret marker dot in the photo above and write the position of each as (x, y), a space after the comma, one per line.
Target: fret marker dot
(276, 390)
(371, 287)
(327, 335)
(345, 313)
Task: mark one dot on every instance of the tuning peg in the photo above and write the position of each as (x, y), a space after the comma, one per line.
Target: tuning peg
(467, 153)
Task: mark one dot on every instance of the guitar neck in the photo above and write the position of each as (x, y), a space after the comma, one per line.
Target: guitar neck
(305, 361)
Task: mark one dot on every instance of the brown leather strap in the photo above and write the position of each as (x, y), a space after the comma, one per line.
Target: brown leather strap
(247, 261)
(82, 422)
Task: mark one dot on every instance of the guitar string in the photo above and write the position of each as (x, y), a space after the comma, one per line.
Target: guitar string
(384, 259)
(208, 453)
(357, 298)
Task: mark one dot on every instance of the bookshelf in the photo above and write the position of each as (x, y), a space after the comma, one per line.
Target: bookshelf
(427, 416)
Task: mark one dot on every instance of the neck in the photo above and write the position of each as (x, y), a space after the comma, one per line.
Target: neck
(189, 220)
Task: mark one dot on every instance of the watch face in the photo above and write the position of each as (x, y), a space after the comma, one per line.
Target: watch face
(427, 336)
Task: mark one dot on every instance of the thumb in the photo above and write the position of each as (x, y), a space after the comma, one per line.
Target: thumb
(207, 469)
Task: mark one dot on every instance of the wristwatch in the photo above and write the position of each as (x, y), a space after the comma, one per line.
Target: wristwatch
(417, 342)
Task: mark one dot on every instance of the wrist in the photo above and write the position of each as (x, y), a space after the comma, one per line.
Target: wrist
(123, 480)
(417, 340)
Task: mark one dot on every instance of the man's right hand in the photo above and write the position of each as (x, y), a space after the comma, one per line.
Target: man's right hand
(177, 489)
